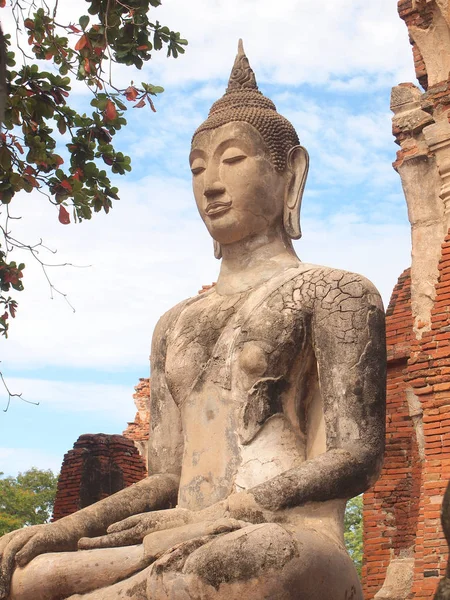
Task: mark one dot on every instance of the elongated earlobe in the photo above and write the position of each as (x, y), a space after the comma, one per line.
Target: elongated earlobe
(298, 165)
(217, 250)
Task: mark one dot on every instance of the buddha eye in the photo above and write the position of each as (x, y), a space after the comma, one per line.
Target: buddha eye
(197, 170)
(197, 167)
(233, 158)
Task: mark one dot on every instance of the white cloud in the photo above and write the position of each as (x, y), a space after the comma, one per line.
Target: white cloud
(297, 41)
(74, 396)
(15, 460)
(148, 254)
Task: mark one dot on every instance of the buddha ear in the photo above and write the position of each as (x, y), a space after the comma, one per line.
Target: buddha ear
(297, 171)
(217, 250)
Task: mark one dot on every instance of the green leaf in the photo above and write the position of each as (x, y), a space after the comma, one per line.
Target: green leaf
(5, 158)
(84, 22)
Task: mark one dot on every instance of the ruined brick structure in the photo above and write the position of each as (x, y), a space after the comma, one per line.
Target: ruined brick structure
(138, 430)
(99, 465)
(390, 508)
(405, 549)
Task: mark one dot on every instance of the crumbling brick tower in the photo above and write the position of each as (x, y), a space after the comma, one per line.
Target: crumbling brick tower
(405, 550)
(100, 465)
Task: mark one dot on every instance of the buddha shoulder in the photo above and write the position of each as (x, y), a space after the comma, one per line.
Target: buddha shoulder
(331, 290)
(167, 321)
(336, 286)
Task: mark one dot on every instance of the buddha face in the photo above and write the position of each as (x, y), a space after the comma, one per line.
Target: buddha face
(238, 192)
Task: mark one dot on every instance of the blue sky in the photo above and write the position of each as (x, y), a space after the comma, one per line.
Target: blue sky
(329, 67)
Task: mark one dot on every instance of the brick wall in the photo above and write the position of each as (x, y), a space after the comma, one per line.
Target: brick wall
(429, 376)
(417, 13)
(138, 430)
(390, 507)
(98, 465)
(402, 510)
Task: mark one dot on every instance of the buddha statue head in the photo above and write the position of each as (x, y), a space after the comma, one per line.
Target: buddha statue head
(246, 156)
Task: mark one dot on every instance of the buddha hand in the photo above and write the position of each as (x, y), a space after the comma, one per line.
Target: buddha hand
(19, 547)
(133, 529)
(241, 508)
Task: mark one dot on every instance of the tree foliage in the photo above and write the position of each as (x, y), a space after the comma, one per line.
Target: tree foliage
(26, 499)
(47, 144)
(353, 530)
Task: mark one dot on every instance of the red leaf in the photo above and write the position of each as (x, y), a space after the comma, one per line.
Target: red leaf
(48, 55)
(2, 3)
(31, 180)
(87, 65)
(131, 93)
(110, 111)
(58, 160)
(82, 42)
(152, 106)
(64, 216)
(143, 47)
(74, 29)
(12, 310)
(140, 104)
(66, 185)
(78, 173)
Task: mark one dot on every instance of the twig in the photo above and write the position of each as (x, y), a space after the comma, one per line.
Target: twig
(12, 243)
(11, 395)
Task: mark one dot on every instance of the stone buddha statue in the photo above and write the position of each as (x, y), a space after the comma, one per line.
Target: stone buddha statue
(267, 415)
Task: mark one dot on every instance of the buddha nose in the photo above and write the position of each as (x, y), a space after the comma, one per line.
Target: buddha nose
(213, 189)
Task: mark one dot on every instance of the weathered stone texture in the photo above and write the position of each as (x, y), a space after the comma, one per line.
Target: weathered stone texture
(99, 465)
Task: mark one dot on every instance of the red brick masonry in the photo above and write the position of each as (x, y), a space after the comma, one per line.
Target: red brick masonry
(99, 465)
(402, 511)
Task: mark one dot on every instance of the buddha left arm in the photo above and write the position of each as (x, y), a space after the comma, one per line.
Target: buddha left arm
(349, 345)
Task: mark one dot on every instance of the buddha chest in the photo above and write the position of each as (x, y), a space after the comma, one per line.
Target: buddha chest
(235, 366)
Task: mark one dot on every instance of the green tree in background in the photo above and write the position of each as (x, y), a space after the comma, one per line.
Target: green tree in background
(26, 499)
(353, 531)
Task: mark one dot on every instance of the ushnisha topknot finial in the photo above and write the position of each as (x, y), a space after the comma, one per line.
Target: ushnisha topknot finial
(243, 102)
(242, 75)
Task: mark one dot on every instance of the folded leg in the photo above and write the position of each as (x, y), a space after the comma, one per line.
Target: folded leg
(59, 575)
(259, 562)
(133, 588)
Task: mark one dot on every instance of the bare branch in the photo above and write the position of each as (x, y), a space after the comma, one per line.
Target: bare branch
(11, 395)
